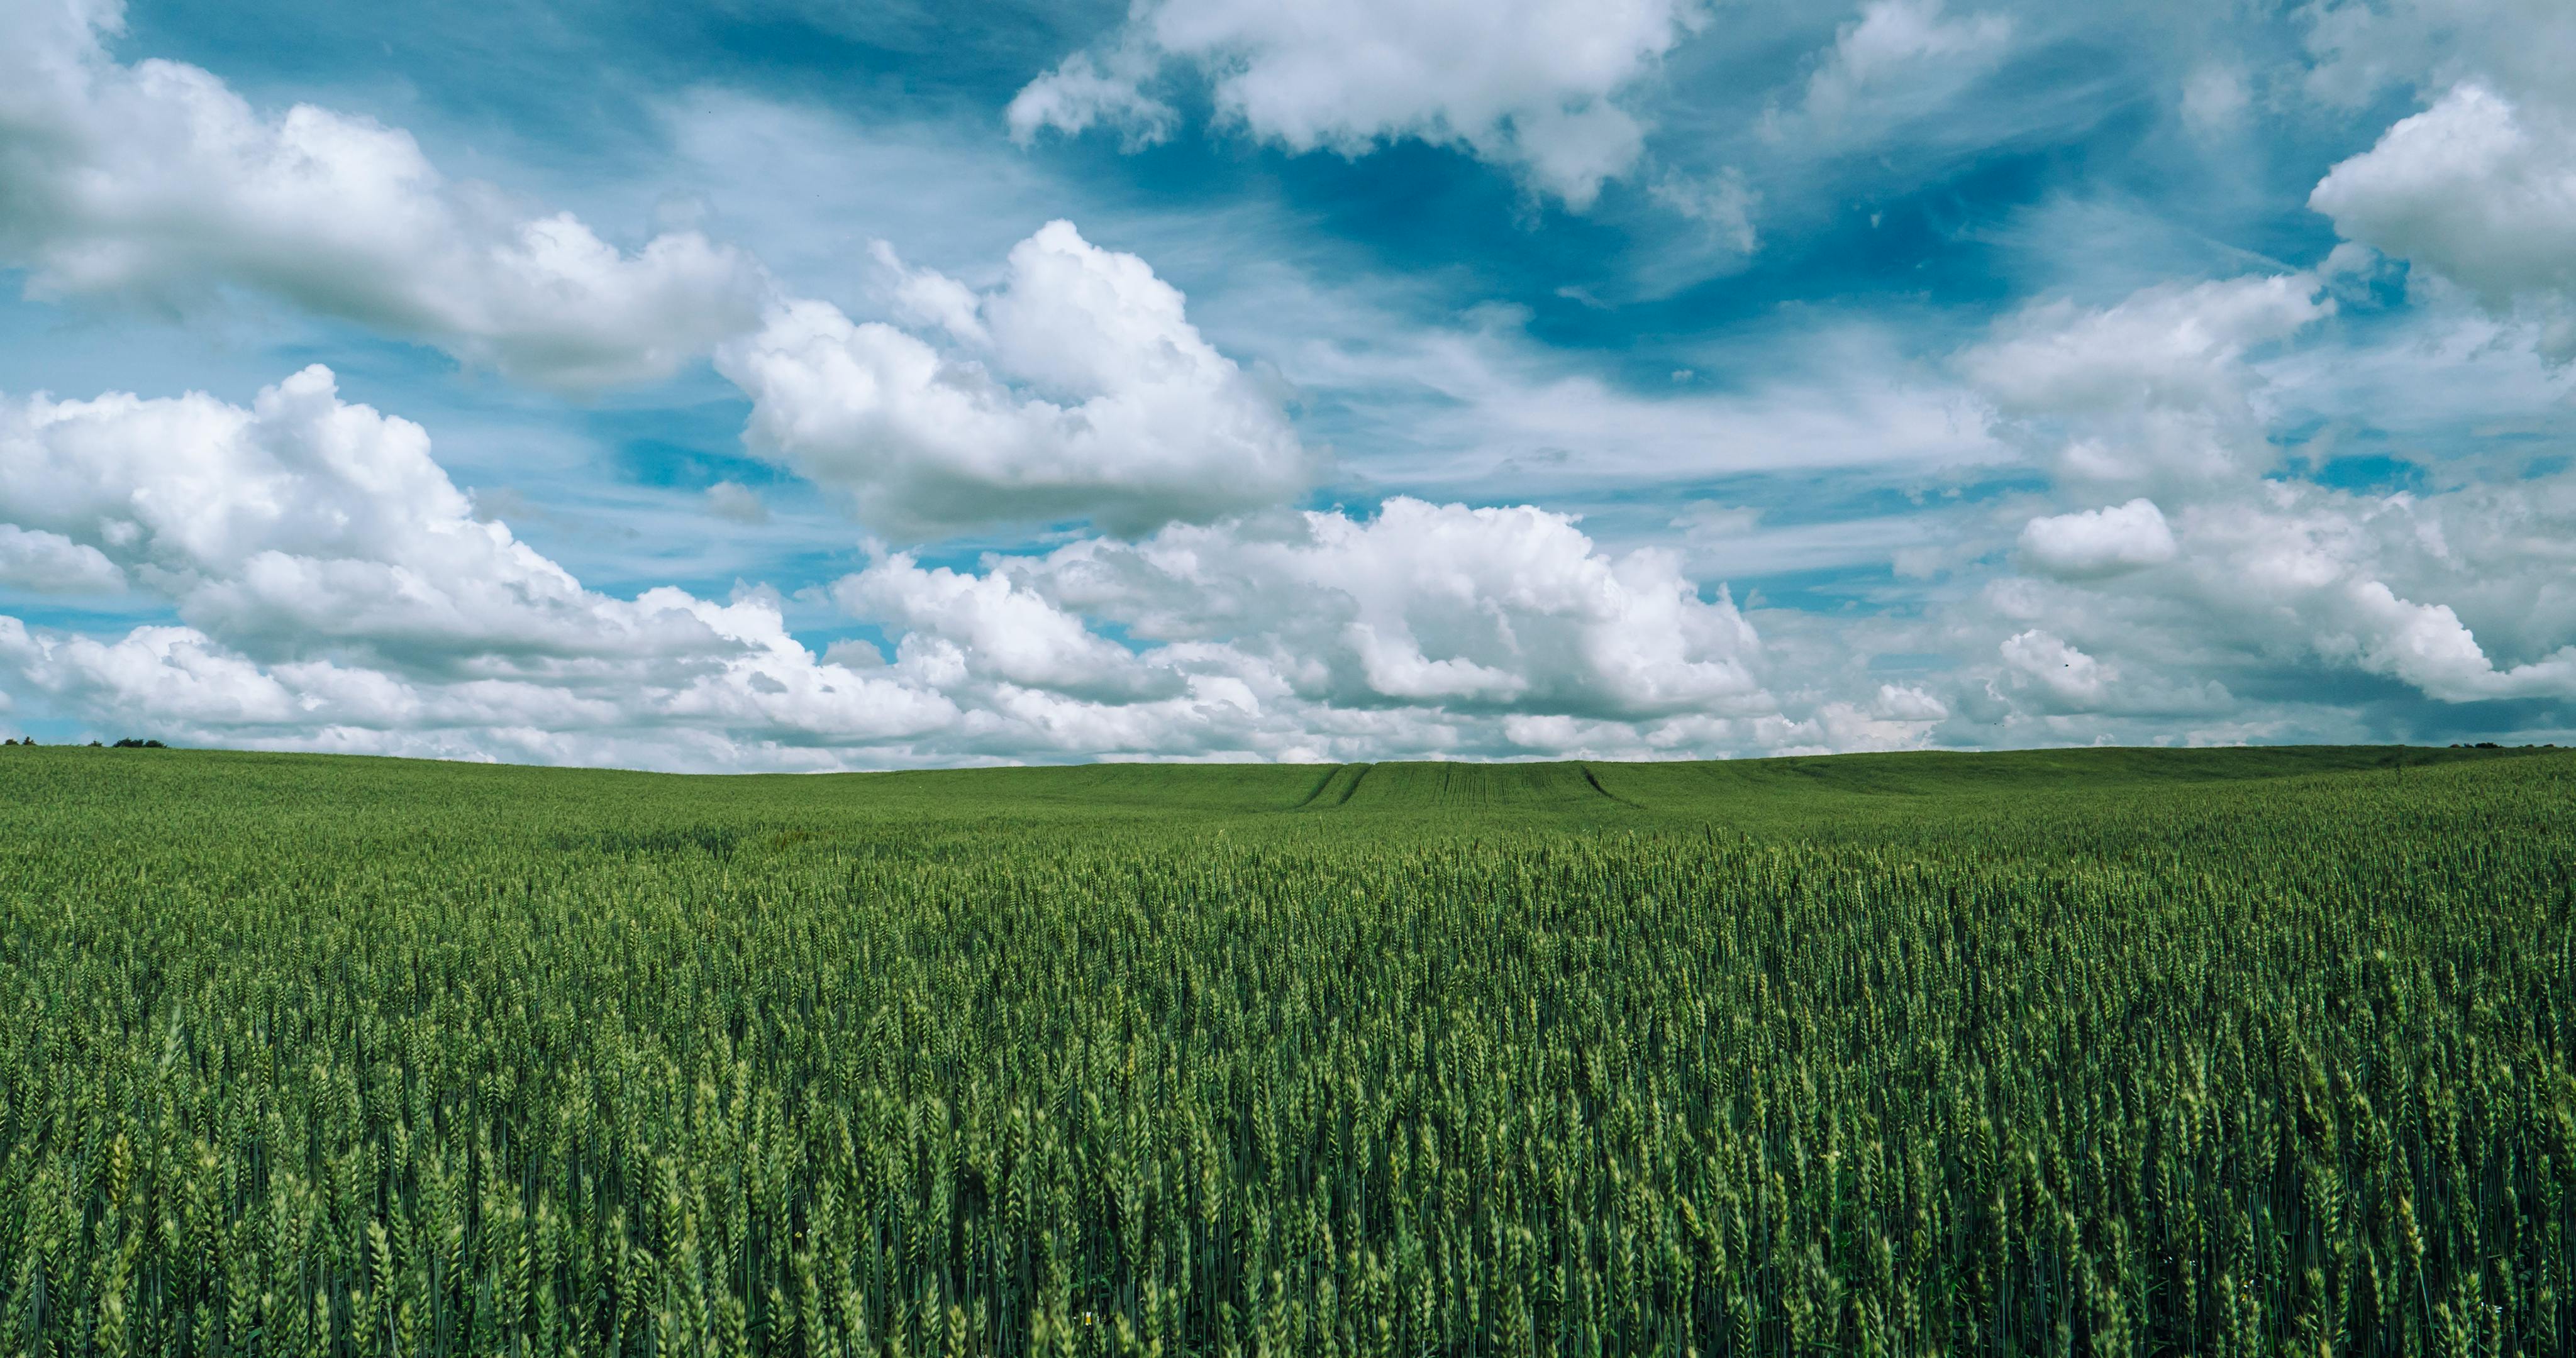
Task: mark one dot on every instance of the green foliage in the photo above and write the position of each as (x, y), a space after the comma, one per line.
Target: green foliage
(2225, 1052)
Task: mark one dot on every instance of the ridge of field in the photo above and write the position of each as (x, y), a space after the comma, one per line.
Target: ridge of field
(2228, 1052)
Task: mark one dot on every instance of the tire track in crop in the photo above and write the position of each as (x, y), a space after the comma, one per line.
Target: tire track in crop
(1363, 772)
(1331, 772)
(1595, 780)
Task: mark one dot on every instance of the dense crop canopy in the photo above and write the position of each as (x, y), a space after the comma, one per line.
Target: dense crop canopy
(2118, 1052)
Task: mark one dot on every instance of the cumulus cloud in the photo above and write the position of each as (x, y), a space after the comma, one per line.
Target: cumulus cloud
(332, 584)
(1898, 717)
(333, 589)
(1497, 608)
(2361, 48)
(2480, 192)
(1907, 703)
(1429, 629)
(928, 299)
(1535, 85)
(157, 180)
(2153, 387)
(766, 705)
(1433, 629)
(2427, 646)
(989, 626)
(303, 524)
(2479, 187)
(49, 563)
(2165, 345)
(2278, 584)
(1097, 88)
(2242, 598)
(2346, 578)
(2068, 679)
(1122, 413)
(2098, 542)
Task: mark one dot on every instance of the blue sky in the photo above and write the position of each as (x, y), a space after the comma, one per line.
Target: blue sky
(806, 385)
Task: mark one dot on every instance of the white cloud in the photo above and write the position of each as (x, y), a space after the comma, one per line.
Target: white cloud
(1502, 608)
(1907, 703)
(2099, 542)
(2153, 387)
(2360, 48)
(328, 576)
(163, 674)
(2278, 585)
(305, 523)
(1535, 85)
(2173, 346)
(157, 180)
(734, 501)
(1485, 412)
(1721, 543)
(2070, 680)
(1901, 60)
(925, 298)
(996, 629)
(334, 590)
(1721, 204)
(49, 563)
(2331, 574)
(1105, 88)
(1899, 717)
(2215, 100)
(770, 706)
(2480, 192)
(2239, 576)
(1128, 416)
(2427, 646)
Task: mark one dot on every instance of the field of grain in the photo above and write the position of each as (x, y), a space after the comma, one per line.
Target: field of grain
(2118, 1052)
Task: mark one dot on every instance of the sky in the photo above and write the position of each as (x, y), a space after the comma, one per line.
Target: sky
(795, 384)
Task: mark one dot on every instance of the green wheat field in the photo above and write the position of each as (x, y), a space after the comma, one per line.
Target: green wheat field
(2223, 1052)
